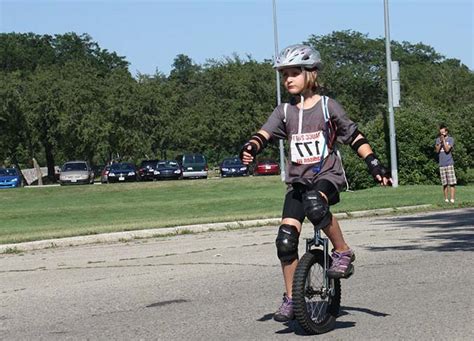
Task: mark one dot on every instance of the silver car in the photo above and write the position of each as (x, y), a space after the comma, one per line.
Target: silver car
(76, 173)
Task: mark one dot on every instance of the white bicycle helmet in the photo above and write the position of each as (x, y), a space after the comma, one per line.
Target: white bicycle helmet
(298, 55)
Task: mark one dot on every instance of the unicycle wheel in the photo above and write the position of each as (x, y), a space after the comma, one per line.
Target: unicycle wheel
(316, 306)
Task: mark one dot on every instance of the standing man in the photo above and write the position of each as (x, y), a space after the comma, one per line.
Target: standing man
(444, 147)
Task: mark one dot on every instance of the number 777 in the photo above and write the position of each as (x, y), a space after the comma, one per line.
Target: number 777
(307, 147)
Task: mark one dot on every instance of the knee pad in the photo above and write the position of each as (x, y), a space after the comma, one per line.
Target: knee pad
(287, 243)
(316, 209)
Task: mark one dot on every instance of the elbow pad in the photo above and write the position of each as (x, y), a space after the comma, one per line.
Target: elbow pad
(261, 140)
(359, 143)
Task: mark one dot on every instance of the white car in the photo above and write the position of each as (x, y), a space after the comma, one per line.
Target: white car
(76, 173)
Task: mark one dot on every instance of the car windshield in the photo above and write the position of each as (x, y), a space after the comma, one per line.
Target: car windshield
(74, 166)
(232, 162)
(121, 166)
(167, 164)
(8, 172)
(194, 158)
(148, 164)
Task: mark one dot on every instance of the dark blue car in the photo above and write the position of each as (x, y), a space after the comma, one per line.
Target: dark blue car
(168, 169)
(233, 167)
(9, 178)
(122, 172)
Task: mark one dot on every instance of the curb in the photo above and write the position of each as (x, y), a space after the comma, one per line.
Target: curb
(186, 229)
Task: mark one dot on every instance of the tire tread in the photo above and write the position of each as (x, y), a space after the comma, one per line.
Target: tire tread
(299, 280)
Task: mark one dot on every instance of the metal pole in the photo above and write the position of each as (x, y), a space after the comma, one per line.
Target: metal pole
(275, 38)
(391, 119)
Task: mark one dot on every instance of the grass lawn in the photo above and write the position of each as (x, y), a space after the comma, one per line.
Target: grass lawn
(52, 212)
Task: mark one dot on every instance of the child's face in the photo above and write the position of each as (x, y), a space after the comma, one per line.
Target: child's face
(443, 132)
(294, 80)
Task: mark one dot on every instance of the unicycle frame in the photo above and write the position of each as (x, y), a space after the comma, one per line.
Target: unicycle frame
(316, 242)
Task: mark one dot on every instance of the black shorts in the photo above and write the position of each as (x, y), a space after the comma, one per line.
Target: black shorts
(293, 206)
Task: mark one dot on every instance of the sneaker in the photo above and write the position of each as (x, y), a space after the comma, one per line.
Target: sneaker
(341, 266)
(285, 312)
(446, 200)
(452, 201)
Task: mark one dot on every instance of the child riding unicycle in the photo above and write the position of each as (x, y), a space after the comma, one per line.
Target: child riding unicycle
(312, 125)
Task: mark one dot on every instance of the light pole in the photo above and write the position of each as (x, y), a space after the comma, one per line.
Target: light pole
(391, 119)
(275, 37)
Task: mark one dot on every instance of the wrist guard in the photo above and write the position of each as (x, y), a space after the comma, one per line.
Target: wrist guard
(375, 167)
(252, 151)
(257, 143)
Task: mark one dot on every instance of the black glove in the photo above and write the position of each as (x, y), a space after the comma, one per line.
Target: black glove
(376, 168)
(252, 150)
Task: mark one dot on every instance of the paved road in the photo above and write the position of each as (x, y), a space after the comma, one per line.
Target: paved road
(413, 281)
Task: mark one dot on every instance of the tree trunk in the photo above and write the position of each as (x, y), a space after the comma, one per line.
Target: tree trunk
(48, 148)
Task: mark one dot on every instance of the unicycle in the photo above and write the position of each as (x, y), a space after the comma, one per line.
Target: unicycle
(316, 298)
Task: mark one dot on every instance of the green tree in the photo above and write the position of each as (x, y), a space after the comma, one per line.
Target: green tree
(26, 51)
(15, 138)
(44, 110)
(353, 72)
(67, 82)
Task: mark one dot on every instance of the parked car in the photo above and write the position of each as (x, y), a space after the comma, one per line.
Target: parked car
(233, 167)
(10, 178)
(76, 173)
(122, 172)
(193, 165)
(168, 169)
(266, 167)
(104, 175)
(146, 171)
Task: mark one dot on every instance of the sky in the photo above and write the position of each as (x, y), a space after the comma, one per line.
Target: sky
(151, 33)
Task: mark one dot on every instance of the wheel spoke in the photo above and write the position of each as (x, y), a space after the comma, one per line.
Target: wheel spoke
(314, 291)
(317, 310)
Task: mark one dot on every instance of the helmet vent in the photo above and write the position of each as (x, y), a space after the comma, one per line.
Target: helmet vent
(298, 56)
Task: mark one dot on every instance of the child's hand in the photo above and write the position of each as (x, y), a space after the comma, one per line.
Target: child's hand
(248, 153)
(246, 157)
(378, 171)
(384, 180)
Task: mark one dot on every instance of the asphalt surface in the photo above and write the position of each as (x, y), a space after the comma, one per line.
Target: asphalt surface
(182, 229)
(413, 281)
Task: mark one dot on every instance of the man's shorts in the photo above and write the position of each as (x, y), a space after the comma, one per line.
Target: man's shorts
(448, 177)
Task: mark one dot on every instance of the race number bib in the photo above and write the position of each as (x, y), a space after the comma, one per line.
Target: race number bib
(308, 148)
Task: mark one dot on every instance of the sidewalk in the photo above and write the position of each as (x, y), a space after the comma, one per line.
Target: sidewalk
(171, 231)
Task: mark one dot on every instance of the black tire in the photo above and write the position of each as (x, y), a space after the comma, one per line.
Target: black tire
(308, 299)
